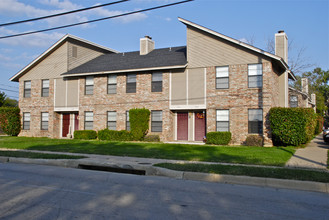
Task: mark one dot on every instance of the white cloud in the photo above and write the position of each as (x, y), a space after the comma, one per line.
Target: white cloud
(33, 40)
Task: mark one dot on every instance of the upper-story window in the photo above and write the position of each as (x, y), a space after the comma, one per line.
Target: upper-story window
(157, 82)
(27, 89)
(112, 84)
(255, 121)
(255, 75)
(222, 120)
(45, 88)
(222, 77)
(131, 83)
(293, 101)
(89, 87)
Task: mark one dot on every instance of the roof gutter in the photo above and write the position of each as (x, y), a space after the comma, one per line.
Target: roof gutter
(124, 71)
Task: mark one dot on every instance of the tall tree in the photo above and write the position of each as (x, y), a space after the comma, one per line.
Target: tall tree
(2, 98)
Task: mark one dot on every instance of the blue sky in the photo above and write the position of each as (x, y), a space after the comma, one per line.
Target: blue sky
(306, 23)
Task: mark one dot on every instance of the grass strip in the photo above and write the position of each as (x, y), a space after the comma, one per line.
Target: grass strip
(33, 155)
(276, 156)
(278, 173)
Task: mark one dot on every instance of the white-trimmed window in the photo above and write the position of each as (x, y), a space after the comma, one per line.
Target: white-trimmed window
(127, 121)
(156, 121)
(26, 120)
(293, 101)
(255, 121)
(222, 77)
(89, 120)
(27, 89)
(222, 120)
(157, 82)
(44, 120)
(45, 88)
(112, 84)
(131, 83)
(89, 87)
(112, 120)
(255, 75)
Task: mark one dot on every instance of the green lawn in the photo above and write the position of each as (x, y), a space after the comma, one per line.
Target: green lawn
(32, 155)
(230, 154)
(279, 173)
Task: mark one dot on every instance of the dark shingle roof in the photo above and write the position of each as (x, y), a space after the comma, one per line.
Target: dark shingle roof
(166, 57)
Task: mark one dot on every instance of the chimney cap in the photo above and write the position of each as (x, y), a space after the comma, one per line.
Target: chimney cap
(281, 31)
(146, 36)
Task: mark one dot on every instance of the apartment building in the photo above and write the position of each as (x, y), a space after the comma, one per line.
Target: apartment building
(214, 83)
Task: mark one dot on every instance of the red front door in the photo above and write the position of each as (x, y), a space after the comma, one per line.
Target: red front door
(182, 126)
(200, 126)
(66, 124)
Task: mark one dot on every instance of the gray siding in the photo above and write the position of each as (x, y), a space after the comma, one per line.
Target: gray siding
(204, 50)
(51, 67)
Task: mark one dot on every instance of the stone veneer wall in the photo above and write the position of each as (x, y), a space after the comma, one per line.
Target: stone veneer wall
(101, 102)
(37, 104)
(239, 98)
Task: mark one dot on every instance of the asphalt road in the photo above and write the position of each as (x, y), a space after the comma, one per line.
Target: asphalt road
(45, 192)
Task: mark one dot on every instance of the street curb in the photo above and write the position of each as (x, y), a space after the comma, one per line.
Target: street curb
(159, 171)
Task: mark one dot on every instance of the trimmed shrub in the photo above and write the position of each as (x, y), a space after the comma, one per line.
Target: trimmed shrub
(219, 138)
(152, 138)
(319, 125)
(112, 135)
(10, 120)
(139, 122)
(85, 134)
(254, 140)
(292, 126)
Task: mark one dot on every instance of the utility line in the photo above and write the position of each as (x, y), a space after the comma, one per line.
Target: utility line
(15, 87)
(100, 19)
(8, 90)
(60, 14)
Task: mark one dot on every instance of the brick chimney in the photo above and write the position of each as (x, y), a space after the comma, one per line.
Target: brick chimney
(281, 45)
(146, 45)
(305, 85)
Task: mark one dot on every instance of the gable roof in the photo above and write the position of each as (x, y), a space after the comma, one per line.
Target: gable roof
(54, 47)
(242, 44)
(158, 59)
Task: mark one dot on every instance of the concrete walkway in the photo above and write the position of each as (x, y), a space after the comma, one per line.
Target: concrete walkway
(313, 156)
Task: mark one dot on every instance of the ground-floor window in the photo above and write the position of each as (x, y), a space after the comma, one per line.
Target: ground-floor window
(222, 120)
(112, 120)
(26, 120)
(44, 120)
(255, 121)
(127, 121)
(156, 121)
(293, 101)
(89, 120)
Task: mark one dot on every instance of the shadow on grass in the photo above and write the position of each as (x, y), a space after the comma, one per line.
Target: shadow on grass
(243, 155)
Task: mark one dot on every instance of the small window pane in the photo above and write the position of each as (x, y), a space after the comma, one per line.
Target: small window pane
(156, 77)
(44, 116)
(112, 79)
(112, 89)
(27, 116)
(45, 83)
(111, 116)
(131, 88)
(89, 116)
(222, 126)
(255, 69)
(89, 90)
(131, 78)
(222, 71)
(157, 86)
(27, 84)
(293, 101)
(89, 80)
(255, 81)
(222, 83)
(222, 115)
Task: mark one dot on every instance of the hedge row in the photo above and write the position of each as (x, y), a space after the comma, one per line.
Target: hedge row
(85, 134)
(292, 126)
(10, 120)
(219, 138)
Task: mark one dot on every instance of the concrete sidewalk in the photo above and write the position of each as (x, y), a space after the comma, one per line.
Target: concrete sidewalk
(313, 156)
